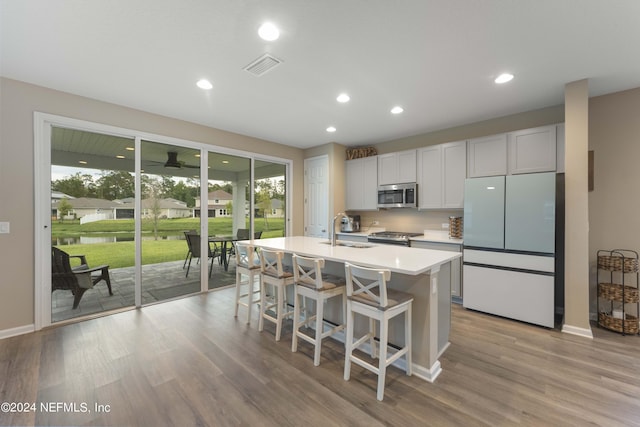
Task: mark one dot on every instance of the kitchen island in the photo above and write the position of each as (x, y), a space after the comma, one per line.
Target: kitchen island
(415, 271)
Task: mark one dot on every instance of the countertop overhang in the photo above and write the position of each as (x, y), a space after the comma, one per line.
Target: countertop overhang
(398, 259)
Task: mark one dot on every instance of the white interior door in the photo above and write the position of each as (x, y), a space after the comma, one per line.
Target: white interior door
(316, 196)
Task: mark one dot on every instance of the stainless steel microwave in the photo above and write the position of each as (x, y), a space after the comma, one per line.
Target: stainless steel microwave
(397, 195)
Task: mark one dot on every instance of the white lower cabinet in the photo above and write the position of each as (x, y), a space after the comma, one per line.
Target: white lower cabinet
(456, 264)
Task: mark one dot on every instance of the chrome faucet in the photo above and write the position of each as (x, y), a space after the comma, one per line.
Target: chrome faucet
(333, 227)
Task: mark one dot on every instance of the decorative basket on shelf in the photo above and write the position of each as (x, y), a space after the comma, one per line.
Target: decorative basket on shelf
(617, 292)
(455, 227)
(615, 263)
(627, 326)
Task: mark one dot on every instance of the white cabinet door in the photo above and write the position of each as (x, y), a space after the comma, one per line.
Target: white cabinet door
(487, 156)
(430, 177)
(362, 184)
(387, 169)
(407, 166)
(454, 169)
(532, 150)
(370, 184)
(397, 168)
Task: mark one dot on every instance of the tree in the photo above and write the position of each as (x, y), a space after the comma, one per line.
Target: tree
(114, 185)
(152, 191)
(76, 185)
(264, 206)
(63, 208)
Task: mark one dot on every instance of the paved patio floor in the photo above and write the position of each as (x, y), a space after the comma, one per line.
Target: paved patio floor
(159, 282)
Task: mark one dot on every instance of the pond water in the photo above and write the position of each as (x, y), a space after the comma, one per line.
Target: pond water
(108, 238)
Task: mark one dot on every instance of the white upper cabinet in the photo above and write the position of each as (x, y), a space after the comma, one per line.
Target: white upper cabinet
(362, 184)
(430, 177)
(487, 156)
(397, 168)
(454, 161)
(532, 150)
(441, 175)
(523, 151)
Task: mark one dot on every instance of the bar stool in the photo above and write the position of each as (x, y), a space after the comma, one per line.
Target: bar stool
(273, 283)
(307, 274)
(367, 294)
(247, 265)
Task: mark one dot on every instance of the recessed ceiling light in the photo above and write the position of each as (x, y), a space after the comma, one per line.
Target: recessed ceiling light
(268, 32)
(503, 78)
(397, 110)
(331, 129)
(343, 97)
(226, 162)
(204, 84)
(130, 149)
(196, 155)
(120, 157)
(82, 162)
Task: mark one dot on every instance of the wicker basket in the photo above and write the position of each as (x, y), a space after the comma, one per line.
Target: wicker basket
(614, 263)
(614, 291)
(609, 322)
(455, 227)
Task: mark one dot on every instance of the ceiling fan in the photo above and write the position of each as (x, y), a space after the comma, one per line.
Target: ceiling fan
(173, 162)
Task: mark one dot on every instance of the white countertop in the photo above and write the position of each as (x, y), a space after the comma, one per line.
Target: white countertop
(435, 236)
(399, 259)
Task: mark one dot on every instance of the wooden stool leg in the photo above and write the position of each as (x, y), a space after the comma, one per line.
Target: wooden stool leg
(250, 279)
(279, 311)
(319, 330)
(238, 278)
(296, 321)
(263, 296)
(348, 342)
(372, 341)
(382, 363)
(407, 340)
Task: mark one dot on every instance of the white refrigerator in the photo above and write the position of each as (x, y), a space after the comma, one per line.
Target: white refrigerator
(509, 246)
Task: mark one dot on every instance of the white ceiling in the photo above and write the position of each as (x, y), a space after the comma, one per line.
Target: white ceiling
(436, 58)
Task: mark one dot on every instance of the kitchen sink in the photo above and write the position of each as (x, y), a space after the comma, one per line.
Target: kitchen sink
(350, 244)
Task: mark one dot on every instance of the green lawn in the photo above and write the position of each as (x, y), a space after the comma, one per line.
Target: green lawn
(122, 254)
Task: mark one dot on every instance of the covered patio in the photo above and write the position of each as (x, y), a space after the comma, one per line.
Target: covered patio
(160, 282)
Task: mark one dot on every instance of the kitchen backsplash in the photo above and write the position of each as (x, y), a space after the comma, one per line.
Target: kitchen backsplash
(411, 220)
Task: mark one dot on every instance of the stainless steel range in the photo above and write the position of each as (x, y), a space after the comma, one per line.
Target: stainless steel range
(392, 237)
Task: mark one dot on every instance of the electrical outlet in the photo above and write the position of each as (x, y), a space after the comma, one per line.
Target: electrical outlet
(445, 225)
(375, 223)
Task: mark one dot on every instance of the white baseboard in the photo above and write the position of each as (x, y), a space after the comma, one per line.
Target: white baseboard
(574, 330)
(20, 330)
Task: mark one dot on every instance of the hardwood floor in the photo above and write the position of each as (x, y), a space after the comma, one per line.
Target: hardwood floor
(190, 362)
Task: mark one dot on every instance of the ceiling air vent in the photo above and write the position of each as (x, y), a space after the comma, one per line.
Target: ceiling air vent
(263, 64)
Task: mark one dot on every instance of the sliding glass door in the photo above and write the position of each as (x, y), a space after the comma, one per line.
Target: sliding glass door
(127, 221)
(170, 232)
(92, 228)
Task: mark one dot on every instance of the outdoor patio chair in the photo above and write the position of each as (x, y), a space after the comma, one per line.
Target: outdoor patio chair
(188, 246)
(194, 246)
(75, 279)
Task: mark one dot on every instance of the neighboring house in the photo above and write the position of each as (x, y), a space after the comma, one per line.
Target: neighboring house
(217, 204)
(89, 209)
(82, 207)
(275, 210)
(56, 196)
(167, 208)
